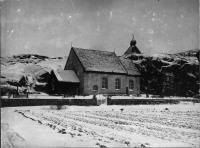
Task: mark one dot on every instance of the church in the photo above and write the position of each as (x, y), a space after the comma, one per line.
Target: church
(89, 72)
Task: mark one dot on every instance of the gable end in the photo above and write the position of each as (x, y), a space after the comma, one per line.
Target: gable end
(72, 52)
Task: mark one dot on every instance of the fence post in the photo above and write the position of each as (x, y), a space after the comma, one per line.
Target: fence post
(106, 101)
(95, 98)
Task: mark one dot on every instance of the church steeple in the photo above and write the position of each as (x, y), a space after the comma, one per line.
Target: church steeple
(133, 41)
(133, 48)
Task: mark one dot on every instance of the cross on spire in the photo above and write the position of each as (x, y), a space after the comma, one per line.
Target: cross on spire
(133, 41)
(133, 36)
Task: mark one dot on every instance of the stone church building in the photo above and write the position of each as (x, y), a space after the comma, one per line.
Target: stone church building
(90, 71)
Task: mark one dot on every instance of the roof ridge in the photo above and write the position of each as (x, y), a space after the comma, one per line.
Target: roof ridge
(93, 50)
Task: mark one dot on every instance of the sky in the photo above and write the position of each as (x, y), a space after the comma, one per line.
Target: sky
(50, 27)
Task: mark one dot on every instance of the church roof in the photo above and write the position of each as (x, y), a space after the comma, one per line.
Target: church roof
(99, 61)
(129, 66)
(132, 49)
(104, 61)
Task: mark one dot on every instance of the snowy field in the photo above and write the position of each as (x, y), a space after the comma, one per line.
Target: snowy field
(102, 126)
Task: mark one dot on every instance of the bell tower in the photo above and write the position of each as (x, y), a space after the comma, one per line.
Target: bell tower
(133, 48)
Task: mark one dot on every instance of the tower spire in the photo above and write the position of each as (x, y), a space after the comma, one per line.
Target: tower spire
(133, 41)
(132, 36)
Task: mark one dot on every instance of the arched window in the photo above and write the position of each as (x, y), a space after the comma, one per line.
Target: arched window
(95, 88)
(131, 84)
(117, 83)
(104, 82)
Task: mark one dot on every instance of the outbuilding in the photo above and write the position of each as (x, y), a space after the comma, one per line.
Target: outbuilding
(63, 82)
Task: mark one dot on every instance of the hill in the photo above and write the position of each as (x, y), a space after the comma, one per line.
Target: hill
(161, 74)
(189, 53)
(168, 74)
(27, 71)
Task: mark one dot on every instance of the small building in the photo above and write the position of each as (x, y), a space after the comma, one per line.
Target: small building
(63, 82)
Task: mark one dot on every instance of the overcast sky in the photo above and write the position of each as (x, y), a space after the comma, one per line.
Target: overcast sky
(48, 27)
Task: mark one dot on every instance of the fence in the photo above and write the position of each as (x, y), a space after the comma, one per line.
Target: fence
(89, 102)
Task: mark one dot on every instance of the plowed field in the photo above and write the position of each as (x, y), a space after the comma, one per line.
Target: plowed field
(123, 126)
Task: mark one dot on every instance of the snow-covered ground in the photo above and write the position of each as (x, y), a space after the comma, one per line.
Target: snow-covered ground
(97, 126)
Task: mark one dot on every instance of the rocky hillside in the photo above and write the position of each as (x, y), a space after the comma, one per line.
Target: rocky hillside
(168, 74)
(161, 74)
(27, 72)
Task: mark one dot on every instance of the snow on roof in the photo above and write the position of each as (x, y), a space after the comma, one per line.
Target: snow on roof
(66, 76)
(129, 66)
(99, 61)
